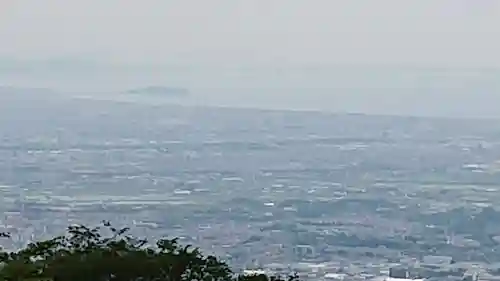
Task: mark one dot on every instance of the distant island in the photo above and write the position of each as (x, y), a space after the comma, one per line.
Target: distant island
(160, 91)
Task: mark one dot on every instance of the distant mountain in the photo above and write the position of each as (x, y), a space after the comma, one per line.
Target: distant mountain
(160, 91)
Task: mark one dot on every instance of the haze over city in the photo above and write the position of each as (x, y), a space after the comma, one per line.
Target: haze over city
(341, 56)
(340, 140)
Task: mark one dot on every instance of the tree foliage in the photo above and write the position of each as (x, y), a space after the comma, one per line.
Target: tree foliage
(87, 254)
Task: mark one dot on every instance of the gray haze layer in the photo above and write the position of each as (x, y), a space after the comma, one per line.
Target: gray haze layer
(386, 57)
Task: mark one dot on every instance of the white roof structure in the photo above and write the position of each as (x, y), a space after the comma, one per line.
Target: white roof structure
(253, 272)
(338, 276)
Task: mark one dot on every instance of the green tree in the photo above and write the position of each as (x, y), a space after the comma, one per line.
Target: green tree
(87, 254)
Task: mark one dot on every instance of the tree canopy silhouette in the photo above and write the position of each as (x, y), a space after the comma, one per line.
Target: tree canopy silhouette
(107, 253)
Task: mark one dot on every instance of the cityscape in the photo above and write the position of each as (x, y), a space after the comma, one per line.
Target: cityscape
(329, 196)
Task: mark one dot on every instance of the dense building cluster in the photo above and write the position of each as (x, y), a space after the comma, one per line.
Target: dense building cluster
(330, 196)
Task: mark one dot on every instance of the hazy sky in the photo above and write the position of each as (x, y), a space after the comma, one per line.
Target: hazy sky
(418, 32)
